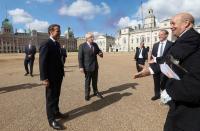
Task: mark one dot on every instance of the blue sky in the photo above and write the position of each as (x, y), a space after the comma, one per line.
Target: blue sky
(99, 16)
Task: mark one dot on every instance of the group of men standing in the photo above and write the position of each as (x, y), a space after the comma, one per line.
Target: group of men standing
(182, 95)
(51, 66)
(158, 53)
(181, 84)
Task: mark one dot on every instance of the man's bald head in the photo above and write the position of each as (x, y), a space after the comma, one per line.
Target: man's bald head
(185, 17)
(181, 22)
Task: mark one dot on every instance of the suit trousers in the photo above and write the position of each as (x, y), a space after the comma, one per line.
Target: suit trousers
(91, 76)
(157, 83)
(52, 98)
(29, 62)
(140, 61)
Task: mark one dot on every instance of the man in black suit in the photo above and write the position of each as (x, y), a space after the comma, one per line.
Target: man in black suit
(30, 51)
(159, 52)
(51, 74)
(183, 93)
(88, 64)
(141, 55)
(64, 54)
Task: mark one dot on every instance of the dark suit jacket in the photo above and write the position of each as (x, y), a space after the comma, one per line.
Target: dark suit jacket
(87, 57)
(185, 93)
(50, 63)
(64, 52)
(144, 53)
(30, 51)
(155, 51)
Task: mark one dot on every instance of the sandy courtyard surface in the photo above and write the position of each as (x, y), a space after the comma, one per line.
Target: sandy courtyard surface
(126, 106)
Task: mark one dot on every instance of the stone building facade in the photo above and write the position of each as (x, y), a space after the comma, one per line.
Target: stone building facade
(129, 38)
(15, 42)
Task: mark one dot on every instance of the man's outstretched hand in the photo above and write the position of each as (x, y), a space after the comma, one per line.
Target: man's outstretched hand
(145, 72)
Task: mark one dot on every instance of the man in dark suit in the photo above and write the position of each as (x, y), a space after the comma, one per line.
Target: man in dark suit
(88, 64)
(159, 52)
(183, 93)
(30, 51)
(64, 54)
(141, 55)
(51, 74)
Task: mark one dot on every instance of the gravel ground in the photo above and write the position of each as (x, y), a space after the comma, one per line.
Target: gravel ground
(126, 105)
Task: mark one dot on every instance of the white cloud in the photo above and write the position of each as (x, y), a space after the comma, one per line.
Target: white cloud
(20, 16)
(84, 9)
(164, 10)
(38, 25)
(127, 21)
(20, 30)
(97, 33)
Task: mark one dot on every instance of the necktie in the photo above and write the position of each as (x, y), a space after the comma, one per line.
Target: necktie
(92, 47)
(161, 49)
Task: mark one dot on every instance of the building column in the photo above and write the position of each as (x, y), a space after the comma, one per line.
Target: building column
(6, 47)
(1, 45)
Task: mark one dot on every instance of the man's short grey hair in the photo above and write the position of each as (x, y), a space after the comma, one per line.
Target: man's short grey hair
(88, 35)
(163, 30)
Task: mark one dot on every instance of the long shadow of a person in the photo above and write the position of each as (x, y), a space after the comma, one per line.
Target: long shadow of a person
(94, 106)
(120, 88)
(18, 87)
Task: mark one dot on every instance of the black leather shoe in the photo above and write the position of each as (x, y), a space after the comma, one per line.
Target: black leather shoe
(56, 125)
(26, 74)
(98, 94)
(60, 115)
(155, 98)
(31, 75)
(87, 98)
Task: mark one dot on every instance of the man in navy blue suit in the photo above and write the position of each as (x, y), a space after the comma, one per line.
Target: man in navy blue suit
(159, 52)
(30, 51)
(141, 55)
(64, 54)
(51, 74)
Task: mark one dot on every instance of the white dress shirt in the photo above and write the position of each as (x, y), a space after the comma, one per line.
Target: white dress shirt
(161, 44)
(140, 55)
(29, 46)
(52, 39)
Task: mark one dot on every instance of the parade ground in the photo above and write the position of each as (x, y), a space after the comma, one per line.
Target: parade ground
(126, 106)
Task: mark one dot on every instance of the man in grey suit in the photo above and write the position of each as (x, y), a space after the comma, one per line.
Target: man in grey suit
(88, 64)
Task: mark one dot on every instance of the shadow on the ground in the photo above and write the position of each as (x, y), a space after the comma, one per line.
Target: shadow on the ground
(70, 66)
(18, 87)
(36, 74)
(120, 88)
(68, 70)
(95, 106)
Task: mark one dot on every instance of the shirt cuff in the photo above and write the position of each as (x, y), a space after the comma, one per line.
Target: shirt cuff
(165, 97)
(154, 59)
(151, 71)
